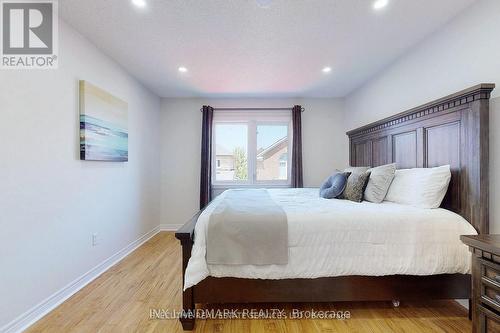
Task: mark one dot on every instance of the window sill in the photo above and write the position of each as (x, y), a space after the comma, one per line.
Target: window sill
(229, 186)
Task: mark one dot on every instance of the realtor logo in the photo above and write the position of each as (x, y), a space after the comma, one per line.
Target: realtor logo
(29, 34)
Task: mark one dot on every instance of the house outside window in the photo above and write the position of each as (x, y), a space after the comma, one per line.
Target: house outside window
(251, 148)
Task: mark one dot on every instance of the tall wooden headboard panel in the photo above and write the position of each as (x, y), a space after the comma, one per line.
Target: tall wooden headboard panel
(451, 130)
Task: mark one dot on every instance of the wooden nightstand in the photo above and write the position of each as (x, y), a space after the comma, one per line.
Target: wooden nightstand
(485, 282)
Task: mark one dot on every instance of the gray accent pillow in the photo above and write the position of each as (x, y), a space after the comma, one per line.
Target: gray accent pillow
(334, 185)
(356, 184)
(356, 169)
(379, 182)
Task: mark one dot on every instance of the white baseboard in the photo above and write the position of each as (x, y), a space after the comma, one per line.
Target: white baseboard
(38, 311)
(170, 227)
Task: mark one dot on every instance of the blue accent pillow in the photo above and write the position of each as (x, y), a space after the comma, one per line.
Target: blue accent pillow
(334, 185)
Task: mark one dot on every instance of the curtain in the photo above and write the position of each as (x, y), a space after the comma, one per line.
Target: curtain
(297, 180)
(206, 156)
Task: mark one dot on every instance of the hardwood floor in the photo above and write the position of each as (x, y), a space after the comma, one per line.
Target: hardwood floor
(120, 300)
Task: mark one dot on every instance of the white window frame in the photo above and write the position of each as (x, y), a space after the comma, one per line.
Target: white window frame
(252, 119)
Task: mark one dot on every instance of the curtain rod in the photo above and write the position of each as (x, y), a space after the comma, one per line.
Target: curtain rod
(253, 109)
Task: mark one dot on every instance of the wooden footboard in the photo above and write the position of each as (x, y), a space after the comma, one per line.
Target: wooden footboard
(334, 289)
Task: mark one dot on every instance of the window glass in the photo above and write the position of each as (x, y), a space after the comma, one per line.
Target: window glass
(272, 152)
(251, 148)
(231, 141)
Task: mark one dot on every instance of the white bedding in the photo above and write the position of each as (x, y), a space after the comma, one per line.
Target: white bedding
(339, 237)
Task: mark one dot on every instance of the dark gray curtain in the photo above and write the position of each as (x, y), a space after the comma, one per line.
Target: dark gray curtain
(206, 156)
(297, 180)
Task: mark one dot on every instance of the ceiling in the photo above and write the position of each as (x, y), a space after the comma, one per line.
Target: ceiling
(234, 48)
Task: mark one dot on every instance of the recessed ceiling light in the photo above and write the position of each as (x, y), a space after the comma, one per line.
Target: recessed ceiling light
(264, 3)
(182, 69)
(139, 3)
(326, 69)
(379, 4)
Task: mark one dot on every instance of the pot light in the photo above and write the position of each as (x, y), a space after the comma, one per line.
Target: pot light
(182, 69)
(326, 69)
(379, 4)
(264, 3)
(139, 3)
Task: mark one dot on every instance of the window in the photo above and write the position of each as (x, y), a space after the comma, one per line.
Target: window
(251, 147)
(284, 166)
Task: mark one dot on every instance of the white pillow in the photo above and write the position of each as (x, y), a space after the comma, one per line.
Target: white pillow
(420, 187)
(379, 182)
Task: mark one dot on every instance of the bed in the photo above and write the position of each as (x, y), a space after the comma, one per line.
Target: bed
(374, 240)
(411, 256)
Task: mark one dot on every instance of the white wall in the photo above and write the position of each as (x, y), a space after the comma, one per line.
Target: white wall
(323, 146)
(50, 201)
(466, 52)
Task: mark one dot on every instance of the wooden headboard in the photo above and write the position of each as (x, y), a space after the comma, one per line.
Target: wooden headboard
(451, 130)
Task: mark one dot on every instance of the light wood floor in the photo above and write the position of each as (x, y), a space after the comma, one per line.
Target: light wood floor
(150, 278)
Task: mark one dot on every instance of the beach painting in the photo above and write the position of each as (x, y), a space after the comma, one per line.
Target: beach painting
(103, 125)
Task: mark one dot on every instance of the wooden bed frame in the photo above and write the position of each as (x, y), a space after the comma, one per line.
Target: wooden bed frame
(451, 130)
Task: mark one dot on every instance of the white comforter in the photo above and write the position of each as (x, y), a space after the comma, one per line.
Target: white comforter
(340, 237)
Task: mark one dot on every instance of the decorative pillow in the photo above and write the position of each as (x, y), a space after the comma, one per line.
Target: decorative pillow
(378, 184)
(420, 187)
(355, 187)
(356, 169)
(334, 185)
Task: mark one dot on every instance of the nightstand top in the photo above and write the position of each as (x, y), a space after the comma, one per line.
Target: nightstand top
(489, 243)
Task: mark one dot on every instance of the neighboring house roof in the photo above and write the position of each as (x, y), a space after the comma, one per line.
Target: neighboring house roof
(273, 148)
(222, 151)
(263, 153)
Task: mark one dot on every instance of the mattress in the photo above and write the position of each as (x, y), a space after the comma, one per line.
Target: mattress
(332, 237)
